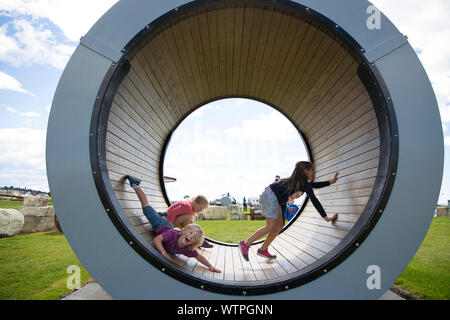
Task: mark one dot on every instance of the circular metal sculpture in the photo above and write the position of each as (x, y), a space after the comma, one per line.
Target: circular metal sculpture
(356, 91)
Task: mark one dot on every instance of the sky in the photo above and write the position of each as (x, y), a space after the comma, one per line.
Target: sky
(231, 145)
(37, 37)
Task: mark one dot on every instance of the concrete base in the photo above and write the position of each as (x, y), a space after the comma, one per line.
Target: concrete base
(389, 295)
(93, 291)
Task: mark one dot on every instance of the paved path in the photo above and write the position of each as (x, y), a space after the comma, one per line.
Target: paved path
(93, 291)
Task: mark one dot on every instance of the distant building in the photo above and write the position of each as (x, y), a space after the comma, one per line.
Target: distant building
(14, 192)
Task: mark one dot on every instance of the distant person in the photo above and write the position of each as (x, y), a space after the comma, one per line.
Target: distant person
(244, 201)
(277, 178)
(274, 199)
(166, 238)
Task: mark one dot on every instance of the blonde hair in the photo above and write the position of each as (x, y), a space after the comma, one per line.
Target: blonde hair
(200, 234)
(201, 200)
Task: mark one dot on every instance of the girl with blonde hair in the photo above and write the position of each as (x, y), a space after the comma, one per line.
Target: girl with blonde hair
(167, 239)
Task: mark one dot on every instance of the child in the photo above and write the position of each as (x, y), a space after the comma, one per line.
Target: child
(183, 213)
(291, 210)
(273, 204)
(167, 239)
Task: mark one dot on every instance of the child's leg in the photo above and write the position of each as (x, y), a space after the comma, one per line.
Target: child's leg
(182, 220)
(134, 183)
(152, 216)
(270, 224)
(155, 219)
(141, 196)
(277, 227)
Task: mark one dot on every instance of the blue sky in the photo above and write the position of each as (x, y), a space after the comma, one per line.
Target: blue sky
(37, 38)
(231, 145)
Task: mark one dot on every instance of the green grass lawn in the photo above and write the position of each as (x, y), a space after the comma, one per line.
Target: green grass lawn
(230, 231)
(8, 204)
(428, 274)
(34, 267)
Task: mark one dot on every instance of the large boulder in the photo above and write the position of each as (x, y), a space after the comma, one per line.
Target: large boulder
(35, 201)
(442, 212)
(11, 222)
(38, 219)
(214, 213)
(235, 213)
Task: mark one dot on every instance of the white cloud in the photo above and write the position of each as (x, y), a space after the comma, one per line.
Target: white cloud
(295, 159)
(271, 126)
(447, 141)
(48, 108)
(8, 82)
(22, 160)
(197, 113)
(221, 104)
(73, 17)
(30, 44)
(29, 40)
(208, 161)
(29, 114)
(11, 109)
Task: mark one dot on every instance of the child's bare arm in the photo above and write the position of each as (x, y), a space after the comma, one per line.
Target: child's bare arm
(157, 241)
(203, 260)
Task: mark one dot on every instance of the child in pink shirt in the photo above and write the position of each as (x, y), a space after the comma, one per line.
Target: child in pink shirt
(183, 213)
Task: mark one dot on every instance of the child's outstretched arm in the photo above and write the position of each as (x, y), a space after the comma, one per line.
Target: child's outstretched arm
(203, 260)
(317, 185)
(157, 241)
(309, 191)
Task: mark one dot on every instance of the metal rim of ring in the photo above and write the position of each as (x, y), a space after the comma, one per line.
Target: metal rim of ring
(97, 236)
(387, 124)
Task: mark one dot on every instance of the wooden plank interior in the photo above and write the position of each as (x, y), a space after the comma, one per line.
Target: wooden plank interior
(228, 49)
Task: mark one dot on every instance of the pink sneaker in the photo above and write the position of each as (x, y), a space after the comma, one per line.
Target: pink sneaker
(244, 249)
(266, 254)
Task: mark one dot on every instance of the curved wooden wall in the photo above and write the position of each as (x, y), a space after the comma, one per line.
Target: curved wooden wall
(265, 52)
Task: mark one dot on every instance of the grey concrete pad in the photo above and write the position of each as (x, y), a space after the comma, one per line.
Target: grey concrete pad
(389, 295)
(93, 291)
